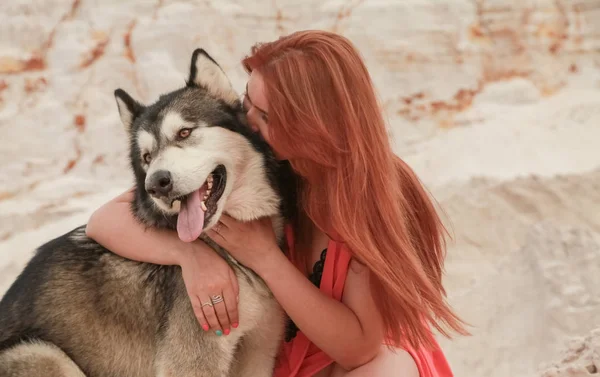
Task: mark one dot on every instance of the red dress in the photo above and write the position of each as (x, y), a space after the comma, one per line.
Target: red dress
(301, 358)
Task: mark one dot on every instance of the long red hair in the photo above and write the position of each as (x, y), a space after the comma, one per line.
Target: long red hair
(325, 118)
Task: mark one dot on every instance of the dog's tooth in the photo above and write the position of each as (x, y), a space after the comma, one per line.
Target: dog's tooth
(203, 205)
(176, 205)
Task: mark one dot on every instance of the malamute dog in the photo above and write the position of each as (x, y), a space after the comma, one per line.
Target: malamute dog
(78, 309)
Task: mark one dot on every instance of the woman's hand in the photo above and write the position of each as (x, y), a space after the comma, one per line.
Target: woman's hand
(206, 276)
(205, 273)
(250, 243)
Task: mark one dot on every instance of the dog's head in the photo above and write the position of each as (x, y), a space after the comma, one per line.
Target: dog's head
(194, 157)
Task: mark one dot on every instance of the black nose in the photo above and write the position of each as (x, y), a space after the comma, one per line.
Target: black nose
(159, 184)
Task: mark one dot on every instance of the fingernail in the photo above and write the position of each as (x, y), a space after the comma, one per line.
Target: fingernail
(219, 332)
(227, 331)
(235, 325)
(205, 327)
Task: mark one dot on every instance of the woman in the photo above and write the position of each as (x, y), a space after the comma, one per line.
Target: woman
(364, 220)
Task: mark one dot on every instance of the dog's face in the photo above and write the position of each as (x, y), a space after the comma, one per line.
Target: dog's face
(194, 157)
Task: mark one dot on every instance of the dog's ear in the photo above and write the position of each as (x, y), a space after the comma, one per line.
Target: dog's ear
(129, 109)
(206, 73)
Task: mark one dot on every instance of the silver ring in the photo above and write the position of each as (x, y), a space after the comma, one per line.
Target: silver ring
(207, 304)
(216, 299)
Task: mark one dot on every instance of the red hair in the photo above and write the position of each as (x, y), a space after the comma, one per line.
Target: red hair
(324, 117)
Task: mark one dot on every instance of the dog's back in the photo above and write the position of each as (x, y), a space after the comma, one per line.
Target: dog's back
(92, 304)
(79, 310)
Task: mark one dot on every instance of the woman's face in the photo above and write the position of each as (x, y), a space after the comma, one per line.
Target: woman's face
(255, 103)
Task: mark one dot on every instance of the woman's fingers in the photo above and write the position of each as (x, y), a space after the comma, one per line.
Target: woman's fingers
(221, 311)
(231, 300)
(199, 313)
(218, 313)
(211, 316)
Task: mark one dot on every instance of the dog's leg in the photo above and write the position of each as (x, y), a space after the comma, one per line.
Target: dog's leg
(37, 359)
(185, 350)
(199, 355)
(209, 358)
(260, 346)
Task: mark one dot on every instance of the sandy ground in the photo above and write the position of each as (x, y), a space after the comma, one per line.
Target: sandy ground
(496, 104)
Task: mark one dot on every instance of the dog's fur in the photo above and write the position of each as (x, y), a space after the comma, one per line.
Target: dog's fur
(78, 309)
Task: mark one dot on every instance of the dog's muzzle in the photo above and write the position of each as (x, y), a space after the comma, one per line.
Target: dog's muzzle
(160, 184)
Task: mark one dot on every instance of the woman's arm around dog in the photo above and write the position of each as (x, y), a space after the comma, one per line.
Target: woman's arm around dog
(114, 227)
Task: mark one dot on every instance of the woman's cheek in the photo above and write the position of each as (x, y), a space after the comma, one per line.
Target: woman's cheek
(264, 131)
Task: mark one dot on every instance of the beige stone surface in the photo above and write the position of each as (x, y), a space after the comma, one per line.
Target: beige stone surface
(496, 104)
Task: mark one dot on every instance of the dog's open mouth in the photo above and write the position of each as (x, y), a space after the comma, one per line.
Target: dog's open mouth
(199, 206)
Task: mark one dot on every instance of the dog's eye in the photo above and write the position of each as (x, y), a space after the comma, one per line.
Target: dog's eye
(184, 133)
(147, 158)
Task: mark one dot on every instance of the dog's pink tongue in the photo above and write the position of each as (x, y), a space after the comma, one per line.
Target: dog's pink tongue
(190, 221)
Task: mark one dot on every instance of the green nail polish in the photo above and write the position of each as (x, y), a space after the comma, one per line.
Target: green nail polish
(219, 332)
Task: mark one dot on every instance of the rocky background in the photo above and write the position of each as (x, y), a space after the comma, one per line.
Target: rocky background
(496, 105)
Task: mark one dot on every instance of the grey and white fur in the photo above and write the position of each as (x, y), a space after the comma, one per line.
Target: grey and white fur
(78, 309)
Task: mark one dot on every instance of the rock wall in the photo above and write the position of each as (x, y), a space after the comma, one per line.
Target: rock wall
(494, 103)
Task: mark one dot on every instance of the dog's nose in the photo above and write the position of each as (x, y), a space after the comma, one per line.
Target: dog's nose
(159, 184)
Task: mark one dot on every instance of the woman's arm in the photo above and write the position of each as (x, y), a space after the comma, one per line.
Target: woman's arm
(204, 272)
(114, 227)
(350, 332)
